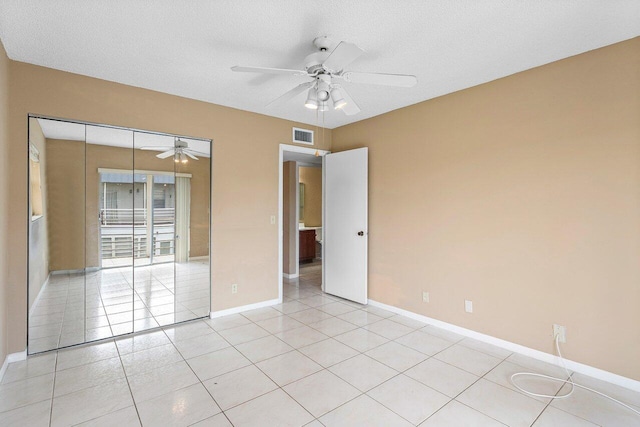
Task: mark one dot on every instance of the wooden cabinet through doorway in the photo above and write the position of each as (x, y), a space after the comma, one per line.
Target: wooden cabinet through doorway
(307, 245)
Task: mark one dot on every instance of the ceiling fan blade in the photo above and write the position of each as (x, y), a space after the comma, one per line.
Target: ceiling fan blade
(195, 152)
(190, 155)
(350, 108)
(157, 148)
(165, 154)
(344, 54)
(291, 94)
(399, 80)
(268, 70)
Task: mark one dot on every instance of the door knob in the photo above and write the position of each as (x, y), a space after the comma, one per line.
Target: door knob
(360, 233)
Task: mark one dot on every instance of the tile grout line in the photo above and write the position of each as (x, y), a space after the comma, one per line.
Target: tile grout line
(126, 376)
(455, 398)
(327, 368)
(254, 364)
(426, 385)
(361, 393)
(478, 380)
(53, 389)
(302, 406)
(480, 412)
(502, 359)
(398, 372)
(287, 352)
(549, 404)
(64, 313)
(196, 375)
(99, 290)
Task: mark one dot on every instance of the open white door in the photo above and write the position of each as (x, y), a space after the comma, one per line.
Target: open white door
(345, 224)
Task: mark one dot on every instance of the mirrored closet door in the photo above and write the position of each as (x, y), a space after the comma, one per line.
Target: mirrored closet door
(119, 231)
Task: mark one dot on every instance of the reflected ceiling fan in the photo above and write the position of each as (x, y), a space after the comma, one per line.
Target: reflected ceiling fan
(180, 151)
(327, 70)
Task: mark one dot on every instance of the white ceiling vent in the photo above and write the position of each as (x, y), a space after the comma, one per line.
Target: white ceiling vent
(303, 136)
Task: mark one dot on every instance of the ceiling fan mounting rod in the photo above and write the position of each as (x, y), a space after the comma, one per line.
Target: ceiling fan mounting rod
(323, 43)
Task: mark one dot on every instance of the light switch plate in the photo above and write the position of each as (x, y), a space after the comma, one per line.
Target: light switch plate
(468, 306)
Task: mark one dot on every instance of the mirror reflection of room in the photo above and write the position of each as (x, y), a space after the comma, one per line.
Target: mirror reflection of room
(119, 231)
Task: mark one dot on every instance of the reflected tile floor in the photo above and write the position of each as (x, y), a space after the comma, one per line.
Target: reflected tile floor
(77, 308)
(314, 360)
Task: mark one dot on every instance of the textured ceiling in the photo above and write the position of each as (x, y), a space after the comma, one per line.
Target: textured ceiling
(187, 48)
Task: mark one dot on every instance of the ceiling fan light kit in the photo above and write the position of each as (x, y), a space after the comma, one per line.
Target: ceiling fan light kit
(324, 67)
(180, 157)
(312, 100)
(180, 151)
(338, 100)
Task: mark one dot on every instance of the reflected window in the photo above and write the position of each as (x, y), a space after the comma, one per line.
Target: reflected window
(36, 183)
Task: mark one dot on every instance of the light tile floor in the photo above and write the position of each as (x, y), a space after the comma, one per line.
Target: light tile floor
(314, 360)
(78, 308)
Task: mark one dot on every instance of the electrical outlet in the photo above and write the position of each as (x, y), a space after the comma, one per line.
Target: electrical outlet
(273, 219)
(468, 306)
(234, 288)
(560, 332)
(425, 296)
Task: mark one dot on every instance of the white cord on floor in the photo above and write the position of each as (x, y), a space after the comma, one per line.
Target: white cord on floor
(569, 381)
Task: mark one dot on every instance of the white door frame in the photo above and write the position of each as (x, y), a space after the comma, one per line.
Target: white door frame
(293, 149)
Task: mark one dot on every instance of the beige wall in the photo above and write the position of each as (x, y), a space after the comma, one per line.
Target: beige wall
(66, 188)
(38, 236)
(5, 300)
(289, 225)
(312, 180)
(522, 195)
(244, 242)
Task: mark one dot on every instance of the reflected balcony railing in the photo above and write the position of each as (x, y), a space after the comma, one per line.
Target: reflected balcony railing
(124, 232)
(137, 216)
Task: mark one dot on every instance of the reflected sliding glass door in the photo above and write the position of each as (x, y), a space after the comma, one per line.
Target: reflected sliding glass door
(144, 234)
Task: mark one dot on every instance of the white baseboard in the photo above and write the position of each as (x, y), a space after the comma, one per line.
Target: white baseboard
(76, 271)
(580, 368)
(12, 357)
(242, 308)
(290, 276)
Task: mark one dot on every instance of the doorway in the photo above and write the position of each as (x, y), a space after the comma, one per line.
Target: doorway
(300, 218)
(344, 237)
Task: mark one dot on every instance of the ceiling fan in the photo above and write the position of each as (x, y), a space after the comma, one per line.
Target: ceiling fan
(180, 151)
(326, 69)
